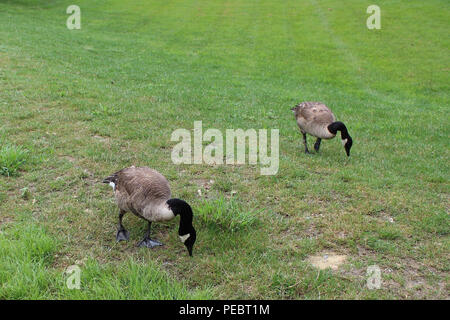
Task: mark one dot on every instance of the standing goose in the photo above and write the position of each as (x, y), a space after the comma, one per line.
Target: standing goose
(317, 119)
(146, 193)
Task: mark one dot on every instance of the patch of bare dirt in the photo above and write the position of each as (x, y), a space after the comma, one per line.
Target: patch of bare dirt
(312, 232)
(327, 259)
(406, 277)
(68, 158)
(5, 220)
(203, 187)
(101, 138)
(151, 99)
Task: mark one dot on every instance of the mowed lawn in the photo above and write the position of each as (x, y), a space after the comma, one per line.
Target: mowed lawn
(77, 105)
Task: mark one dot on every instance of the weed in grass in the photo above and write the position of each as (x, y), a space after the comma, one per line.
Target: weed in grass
(284, 285)
(389, 233)
(229, 214)
(11, 159)
(438, 223)
(309, 283)
(25, 193)
(105, 110)
(380, 245)
(223, 185)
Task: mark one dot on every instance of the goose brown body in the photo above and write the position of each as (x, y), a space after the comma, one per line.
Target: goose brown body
(142, 191)
(314, 118)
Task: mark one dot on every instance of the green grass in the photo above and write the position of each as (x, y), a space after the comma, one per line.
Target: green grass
(11, 159)
(228, 214)
(28, 254)
(78, 105)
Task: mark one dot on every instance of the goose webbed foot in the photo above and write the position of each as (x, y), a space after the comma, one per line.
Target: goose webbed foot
(122, 235)
(149, 243)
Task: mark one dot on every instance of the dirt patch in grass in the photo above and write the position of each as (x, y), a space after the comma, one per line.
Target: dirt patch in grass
(203, 187)
(405, 277)
(101, 139)
(68, 158)
(5, 220)
(327, 259)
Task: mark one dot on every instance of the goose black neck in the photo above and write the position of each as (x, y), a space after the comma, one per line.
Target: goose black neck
(182, 208)
(339, 126)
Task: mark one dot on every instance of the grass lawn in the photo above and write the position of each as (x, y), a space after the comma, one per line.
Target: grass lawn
(77, 105)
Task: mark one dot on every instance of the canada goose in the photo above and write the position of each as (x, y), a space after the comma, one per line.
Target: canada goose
(317, 119)
(146, 193)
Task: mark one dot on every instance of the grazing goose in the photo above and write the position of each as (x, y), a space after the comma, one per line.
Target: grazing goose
(146, 193)
(316, 119)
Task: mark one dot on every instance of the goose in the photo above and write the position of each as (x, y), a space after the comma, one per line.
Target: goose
(146, 193)
(317, 119)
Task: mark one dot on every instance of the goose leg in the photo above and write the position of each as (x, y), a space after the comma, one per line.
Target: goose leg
(305, 143)
(317, 144)
(147, 242)
(122, 234)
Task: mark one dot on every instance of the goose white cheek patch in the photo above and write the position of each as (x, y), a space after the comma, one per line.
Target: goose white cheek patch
(113, 185)
(185, 237)
(344, 141)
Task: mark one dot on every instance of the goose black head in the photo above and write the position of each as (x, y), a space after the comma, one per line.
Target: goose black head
(186, 231)
(347, 145)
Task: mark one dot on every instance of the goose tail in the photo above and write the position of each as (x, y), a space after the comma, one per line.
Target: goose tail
(111, 180)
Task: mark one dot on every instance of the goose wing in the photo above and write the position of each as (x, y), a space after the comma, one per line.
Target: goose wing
(315, 112)
(137, 187)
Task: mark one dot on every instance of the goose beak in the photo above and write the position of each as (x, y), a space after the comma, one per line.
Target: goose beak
(348, 146)
(189, 248)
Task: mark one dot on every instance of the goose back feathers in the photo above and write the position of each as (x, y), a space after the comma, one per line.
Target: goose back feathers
(314, 118)
(143, 191)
